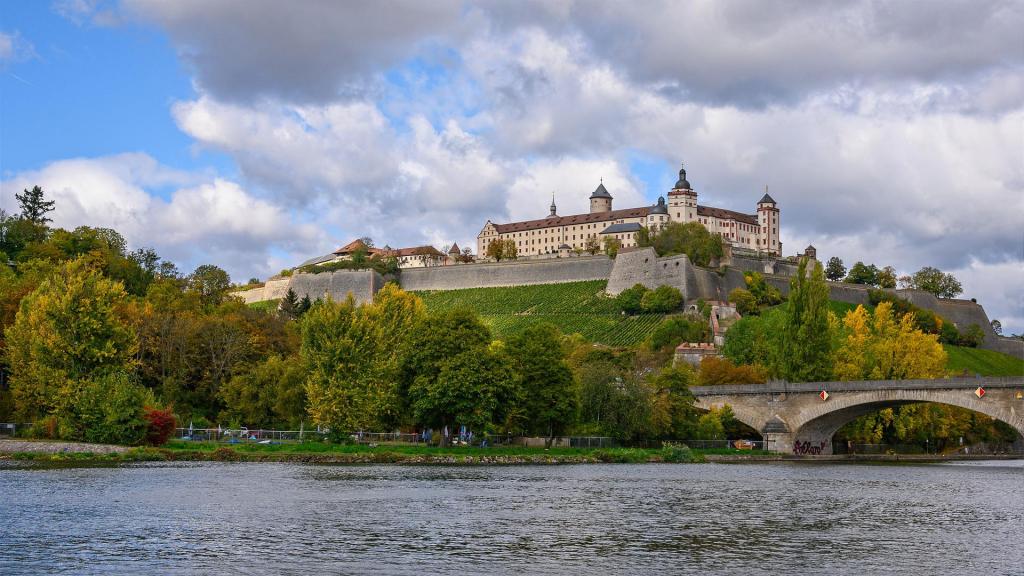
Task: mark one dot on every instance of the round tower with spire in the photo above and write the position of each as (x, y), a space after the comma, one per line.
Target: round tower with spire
(600, 200)
(682, 200)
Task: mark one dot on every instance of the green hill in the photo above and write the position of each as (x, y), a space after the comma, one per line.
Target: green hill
(982, 362)
(575, 307)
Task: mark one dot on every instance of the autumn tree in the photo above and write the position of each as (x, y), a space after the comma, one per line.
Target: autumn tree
(807, 339)
(612, 246)
(71, 332)
(881, 346)
(211, 283)
(268, 394)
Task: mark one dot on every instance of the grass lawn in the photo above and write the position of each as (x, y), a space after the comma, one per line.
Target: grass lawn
(982, 362)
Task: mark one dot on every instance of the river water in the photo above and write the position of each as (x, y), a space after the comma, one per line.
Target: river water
(232, 518)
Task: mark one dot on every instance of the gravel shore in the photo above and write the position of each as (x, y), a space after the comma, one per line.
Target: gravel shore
(55, 447)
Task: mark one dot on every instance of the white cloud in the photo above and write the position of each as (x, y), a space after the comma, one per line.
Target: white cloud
(203, 220)
(14, 48)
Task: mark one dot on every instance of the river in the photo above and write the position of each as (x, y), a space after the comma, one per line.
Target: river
(779, 518)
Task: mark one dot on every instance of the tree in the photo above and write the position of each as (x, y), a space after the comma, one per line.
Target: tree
(937, 282)
(744, 301)
(997, 327)
(662, 300)
(34, 206)
(629, 300)
(70, 332)
(510, 251)
(496, 250)
(691, 238)
(612, 246)
(835, 270)
(764, 293)
(861, 273)
(267, 394)
(887, 277)
(592, 246)
(807, 340)
(549, 402)
(672, 390)
(677, 329)
(881, 346)
(473, 388)
(211, 283)
(289, 305)
(714, 371)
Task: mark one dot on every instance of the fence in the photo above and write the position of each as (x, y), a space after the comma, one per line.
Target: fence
(8, 428)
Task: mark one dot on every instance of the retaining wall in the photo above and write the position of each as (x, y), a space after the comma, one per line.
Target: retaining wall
(550, 271)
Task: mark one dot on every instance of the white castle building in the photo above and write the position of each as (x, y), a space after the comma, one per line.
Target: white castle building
(561, 234)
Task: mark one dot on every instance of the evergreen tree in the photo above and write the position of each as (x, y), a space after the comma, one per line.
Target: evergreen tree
(835, 270)
(304, 305)
(34, 206)
(807, 346)
(289, 305)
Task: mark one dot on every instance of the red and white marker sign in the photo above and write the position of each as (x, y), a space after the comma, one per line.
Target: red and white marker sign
(823, 395)
(979, 392)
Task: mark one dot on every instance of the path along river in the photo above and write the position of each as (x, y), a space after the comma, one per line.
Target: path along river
(779, 518)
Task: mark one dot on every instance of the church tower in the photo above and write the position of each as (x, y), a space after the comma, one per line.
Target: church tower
(600, 200)
(682, 200)
(554, 210)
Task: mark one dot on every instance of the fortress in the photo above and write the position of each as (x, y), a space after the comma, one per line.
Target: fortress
(552, 252)
(560, 235)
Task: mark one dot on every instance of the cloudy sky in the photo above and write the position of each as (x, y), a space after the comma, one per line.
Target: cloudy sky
(254, 134)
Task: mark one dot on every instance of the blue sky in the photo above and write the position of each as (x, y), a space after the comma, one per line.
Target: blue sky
(255, 134)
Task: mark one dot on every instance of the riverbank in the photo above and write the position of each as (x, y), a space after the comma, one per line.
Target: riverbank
(318, 453)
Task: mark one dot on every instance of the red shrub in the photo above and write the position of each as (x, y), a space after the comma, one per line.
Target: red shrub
(159, 425)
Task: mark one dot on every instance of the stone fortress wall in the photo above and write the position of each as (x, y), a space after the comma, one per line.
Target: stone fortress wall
(630, 267)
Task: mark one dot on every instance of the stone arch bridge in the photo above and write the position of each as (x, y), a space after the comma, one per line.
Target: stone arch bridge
(798, 418)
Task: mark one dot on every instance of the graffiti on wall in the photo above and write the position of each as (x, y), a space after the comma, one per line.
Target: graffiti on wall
(807, 448)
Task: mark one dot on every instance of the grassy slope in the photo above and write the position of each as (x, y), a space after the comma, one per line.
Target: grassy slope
(983, 362)
(575, 307)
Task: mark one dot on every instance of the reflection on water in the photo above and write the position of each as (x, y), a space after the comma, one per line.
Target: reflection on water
(600, 519)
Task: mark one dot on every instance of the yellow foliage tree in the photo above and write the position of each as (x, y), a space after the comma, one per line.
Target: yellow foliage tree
(881, 346)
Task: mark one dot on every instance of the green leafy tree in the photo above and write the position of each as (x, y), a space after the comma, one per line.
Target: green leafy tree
(677, 329)
(861, 273)
(937, 282)
(887, 277)
(612, 246)
(835, 270)
(691, 238)
(496, 250)
(211, 283)
(764, 293)
(630, 300)
(268, 394)
(473, 388)
(662, 300)
(807, 341)
(548, 402)
(672, 390)
(35, 206)
(107, 410)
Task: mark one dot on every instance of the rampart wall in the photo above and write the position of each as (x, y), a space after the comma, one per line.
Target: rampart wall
(549, 271)
(362, 284)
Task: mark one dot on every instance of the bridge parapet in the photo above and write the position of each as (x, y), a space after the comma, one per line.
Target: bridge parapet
(783, 387)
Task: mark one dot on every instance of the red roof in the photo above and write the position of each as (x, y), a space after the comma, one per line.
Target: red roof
(595, 217)
(724, 214)
(354, 245)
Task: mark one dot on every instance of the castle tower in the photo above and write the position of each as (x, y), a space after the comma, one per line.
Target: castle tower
(600, 200)
(768, 221)
(682, 200)
(658, 216)
(554, 210)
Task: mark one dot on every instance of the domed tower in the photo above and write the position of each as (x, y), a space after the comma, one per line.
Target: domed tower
(600, 200)
(658, 216)
(768, 223)
(682, 200)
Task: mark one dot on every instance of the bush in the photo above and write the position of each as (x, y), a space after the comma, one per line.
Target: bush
(630, 299)
(159, 425)
(677, 329)
(714, 371)
(108, 411)
(745, 302)
(677, 453)
(662, 300)
(973, 337)
(764, 294)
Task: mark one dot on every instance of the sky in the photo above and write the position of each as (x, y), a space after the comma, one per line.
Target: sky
(255, 134)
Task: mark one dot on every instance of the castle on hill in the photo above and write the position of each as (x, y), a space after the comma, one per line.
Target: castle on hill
(561, 235)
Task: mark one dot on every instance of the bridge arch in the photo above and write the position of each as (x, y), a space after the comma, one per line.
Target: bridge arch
(799, 418)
